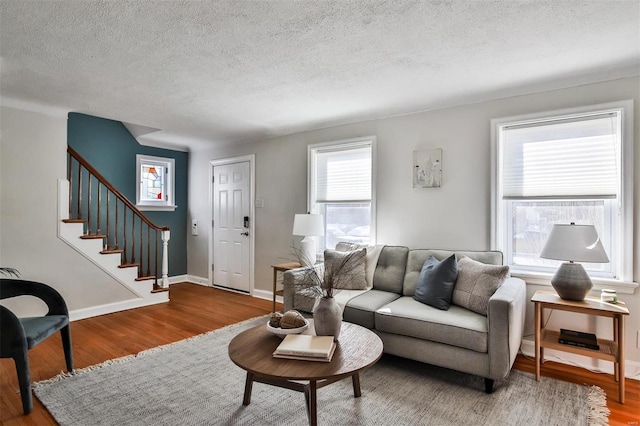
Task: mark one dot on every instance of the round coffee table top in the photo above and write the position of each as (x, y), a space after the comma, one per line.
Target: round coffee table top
(357, 349)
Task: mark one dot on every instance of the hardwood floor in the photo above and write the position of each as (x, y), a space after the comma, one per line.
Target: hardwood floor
(195, 309)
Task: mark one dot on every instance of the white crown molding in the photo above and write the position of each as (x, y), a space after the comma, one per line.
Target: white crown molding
(51, 111)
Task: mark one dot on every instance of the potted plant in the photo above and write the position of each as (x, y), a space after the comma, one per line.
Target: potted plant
(323, 281)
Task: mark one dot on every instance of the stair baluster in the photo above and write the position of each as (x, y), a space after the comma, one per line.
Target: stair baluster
(99, 217)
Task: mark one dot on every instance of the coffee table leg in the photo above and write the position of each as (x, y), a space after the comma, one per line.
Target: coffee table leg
(248, 385)
(356, 385)
(310, 395)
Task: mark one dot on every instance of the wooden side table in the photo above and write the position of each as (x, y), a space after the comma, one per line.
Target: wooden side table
(610, 350)
(281, 267)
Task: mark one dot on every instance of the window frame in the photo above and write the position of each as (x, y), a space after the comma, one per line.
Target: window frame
(624, 236)
(167, 204)
(340, 145)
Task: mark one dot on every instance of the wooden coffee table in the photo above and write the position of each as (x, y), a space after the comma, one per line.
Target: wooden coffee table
(252, 350)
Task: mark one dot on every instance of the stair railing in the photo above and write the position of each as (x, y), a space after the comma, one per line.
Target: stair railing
(109, 215)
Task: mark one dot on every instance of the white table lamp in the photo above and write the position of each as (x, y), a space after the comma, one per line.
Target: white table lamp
(309, 226)
(573, 243)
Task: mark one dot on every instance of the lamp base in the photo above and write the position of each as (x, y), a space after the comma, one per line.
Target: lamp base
(307, 251)
(571, 281)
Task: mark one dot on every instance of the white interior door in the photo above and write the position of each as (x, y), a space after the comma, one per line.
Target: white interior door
(231, 225)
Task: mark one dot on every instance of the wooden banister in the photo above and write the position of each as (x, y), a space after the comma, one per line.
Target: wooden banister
(114, 190)
(100, 211)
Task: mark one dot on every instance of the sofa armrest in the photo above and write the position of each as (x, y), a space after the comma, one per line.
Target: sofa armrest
(295, 281)
(506, 324)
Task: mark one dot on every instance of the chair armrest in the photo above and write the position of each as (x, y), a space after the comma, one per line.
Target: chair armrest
(295, 281)
(506, 316)
(55, 302)
(12, 335)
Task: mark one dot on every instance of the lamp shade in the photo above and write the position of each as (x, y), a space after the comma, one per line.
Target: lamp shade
(308, 225)
(574, 243)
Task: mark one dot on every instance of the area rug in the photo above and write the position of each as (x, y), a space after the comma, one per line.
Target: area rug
(193, 382)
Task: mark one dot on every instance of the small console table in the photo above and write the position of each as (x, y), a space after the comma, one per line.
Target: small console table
(610, 350)
(281, 267)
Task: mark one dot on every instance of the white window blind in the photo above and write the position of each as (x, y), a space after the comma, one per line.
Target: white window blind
(575, 157)
(343, 175)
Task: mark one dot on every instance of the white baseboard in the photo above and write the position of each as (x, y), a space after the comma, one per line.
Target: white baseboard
(178, 279)
(194, 279)
(259, 294)
(110, 308)
(266, 295)
(631, 371)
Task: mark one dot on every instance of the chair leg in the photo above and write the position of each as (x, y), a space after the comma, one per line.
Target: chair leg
(488, 385)
(65, 332)
(24, 380)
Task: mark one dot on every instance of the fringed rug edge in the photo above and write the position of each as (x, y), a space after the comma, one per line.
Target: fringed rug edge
(598, 411)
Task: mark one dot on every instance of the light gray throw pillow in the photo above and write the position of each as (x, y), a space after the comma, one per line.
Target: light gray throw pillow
(476, 284)
(347, 268)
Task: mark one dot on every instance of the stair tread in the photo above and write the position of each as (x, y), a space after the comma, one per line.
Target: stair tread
(149, 277)
(129, 265)
(159, 289)
(74, 220)
(111, 251)
(93, 236)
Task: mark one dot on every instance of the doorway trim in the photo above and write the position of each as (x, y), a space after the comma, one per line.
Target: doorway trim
(251, 158)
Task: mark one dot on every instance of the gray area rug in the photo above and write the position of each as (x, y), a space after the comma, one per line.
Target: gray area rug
(193, 382)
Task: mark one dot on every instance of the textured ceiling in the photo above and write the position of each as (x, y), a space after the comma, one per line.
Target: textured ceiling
(234, 71)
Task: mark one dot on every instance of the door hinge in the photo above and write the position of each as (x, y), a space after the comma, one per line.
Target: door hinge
(212, 268)
(213, 179)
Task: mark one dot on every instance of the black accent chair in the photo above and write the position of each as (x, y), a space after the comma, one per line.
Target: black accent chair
(18, 335)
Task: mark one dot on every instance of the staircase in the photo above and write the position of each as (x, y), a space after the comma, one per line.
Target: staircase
(105, 227)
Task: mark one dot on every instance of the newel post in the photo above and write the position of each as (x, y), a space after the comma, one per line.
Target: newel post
(165, 259)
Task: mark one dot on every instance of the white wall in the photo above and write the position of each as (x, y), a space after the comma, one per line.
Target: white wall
(32, 158)
(455, 216)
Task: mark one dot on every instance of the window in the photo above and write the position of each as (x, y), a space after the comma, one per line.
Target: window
(155, 177)
(567, 166)
(341, 188)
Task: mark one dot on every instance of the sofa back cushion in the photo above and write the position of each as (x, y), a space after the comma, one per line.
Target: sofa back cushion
(390, 271)
(416, 259)
(345, 269)
(476, 284)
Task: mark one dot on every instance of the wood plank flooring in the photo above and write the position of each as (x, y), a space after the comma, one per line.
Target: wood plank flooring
(195, 309)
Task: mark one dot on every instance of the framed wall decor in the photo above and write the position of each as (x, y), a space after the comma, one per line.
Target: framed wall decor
(427, 168)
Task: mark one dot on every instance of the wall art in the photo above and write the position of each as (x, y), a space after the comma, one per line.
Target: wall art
(427, 168)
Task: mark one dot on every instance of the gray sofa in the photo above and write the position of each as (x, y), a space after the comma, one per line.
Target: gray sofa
(457, 338)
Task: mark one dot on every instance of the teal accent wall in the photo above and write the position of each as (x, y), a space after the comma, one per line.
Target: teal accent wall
(109, 147)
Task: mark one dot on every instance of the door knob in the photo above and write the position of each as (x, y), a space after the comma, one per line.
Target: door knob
(246, 234)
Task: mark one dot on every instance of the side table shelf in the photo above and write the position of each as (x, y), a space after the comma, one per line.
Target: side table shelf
(608, 349)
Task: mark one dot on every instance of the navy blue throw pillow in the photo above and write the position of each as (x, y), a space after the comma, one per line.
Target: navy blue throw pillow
(436, 282)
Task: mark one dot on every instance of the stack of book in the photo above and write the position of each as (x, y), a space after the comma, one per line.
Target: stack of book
(306, 347)
(578, 338)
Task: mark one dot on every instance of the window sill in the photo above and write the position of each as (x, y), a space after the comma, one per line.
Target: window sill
(148, 208)
(621, 287)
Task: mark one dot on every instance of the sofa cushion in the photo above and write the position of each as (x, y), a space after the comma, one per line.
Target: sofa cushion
(457, 326)
(346, 268)
(417, 257)
(389, 275)
(361, 309)
(476, 284)
(436, 281)
(373, 252)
